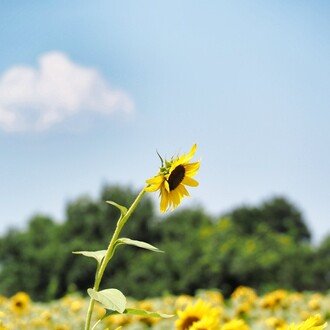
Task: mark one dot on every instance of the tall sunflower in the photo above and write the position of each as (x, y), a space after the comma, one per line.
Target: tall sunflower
(172, 178)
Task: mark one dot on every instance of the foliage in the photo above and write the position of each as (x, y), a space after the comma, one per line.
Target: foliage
(278, 214)
(266, 247)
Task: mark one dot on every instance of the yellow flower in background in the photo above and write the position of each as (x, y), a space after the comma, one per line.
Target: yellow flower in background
(3, 300)
(244, 298)
(214, 297)
(172, 178)
(198, 316)
(312, 323)
(208, 322)
(46, 316)
(99, 310)
(77, 305)
(275, 323)
(274, 299)
(315, 302)
(244, 293)
(62, 327)
(20, 302)
(118, 320)
(147, 306)
(199, 312)
(236, 324)
(183, 301)
(243, 308)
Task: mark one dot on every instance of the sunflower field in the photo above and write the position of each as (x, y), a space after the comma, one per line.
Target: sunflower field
(276, 310)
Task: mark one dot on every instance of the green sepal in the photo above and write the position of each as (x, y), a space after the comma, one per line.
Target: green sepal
(111, 299)
(98, 255)
(140, 244)
(123, 210)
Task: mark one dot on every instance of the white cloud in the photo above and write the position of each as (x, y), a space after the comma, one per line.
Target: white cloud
(36, 99)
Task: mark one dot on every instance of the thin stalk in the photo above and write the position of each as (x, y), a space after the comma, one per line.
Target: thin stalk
(99, 273)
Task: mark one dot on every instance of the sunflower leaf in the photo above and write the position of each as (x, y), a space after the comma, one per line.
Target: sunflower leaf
(123, 209)
(98, 255)
(141, 312)
(140, 244)
(112, 299)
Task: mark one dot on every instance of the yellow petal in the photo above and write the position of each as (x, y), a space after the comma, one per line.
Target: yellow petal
(190, 154)
(183, 191)
(152, 188)
(167, 186)
(163, 200)
(192, 168)
(175, 198)
(189, 181)
(156, 179)
(185, 158)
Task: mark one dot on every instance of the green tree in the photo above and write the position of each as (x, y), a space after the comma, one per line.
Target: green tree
(321, 266)
(29, 259)
(278, 214)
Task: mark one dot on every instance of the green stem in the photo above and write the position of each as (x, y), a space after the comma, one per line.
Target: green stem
(96, 324)
(99, 273)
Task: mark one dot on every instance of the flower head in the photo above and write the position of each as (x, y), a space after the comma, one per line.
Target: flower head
(312, 323)
(172, 178)
(20, 302)
(198, 316)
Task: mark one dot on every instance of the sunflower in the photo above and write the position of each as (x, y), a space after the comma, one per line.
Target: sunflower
(20, 302)
(199, 316)
(172, 178)
(235, 324)
(312, 323)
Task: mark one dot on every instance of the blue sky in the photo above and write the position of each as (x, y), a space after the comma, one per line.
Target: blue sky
(247, 80)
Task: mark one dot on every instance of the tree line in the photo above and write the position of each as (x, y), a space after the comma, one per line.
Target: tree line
(265, 246)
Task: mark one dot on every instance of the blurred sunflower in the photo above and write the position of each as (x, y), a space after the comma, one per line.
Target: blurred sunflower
(147, 306)
(62, 327)
(172, 178)
(312, 323)
(2, 327)
(276, 323)
(235, 324)
(20, 302)
(244, 293)
(198, 316)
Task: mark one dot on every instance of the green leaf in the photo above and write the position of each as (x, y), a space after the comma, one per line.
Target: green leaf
(112, 299)
(98, 255)
(123, 209)
(141, 312)
(142, 245)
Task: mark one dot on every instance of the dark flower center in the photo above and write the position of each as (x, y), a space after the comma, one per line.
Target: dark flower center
(176, 177)
(189, 321)
(19, 304)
